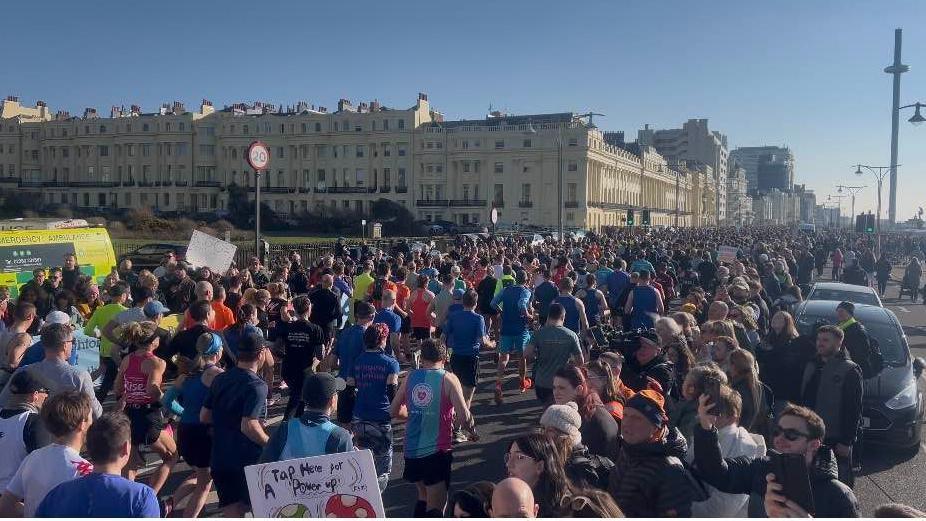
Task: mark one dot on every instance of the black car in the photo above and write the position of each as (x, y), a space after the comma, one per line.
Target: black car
(892, 411)
(150, 256)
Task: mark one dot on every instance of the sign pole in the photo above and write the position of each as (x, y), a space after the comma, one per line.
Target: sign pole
(257, 216)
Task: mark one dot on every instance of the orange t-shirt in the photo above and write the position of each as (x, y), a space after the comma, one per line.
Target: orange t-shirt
(401, 296)
(224, 317)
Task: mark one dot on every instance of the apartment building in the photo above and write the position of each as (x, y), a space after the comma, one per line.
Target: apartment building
(531, 168)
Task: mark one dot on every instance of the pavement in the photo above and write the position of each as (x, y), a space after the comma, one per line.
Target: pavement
(888, 475)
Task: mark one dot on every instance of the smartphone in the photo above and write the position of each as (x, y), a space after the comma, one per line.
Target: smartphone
(712, 388)
(791, 473)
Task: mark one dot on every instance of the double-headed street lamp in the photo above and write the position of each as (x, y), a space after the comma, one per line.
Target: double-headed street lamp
(852, 191)
(880, 172)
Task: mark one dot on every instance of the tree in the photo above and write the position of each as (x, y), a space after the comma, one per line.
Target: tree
(397, 220)
(241, 211)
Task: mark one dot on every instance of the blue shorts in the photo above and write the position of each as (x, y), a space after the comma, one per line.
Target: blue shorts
(513, 343)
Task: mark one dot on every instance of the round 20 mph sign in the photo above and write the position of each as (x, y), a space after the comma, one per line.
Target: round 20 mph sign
(259, 156)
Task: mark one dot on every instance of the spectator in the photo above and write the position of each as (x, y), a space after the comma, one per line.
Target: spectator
(54, 373)
(15, 341)
(234, 405)
(649, 479)
(473, 501)
(782, 355)
(564, 423)
(70, 272)
(648, 362)
(67, 418)
(21, 429)
(858, 342)
(735, 442)
(798, 431)
(832, 388)
(512, 497)
(897, 510)
(600, 431)
(312, 433)
(609, 388)
(551, 348)
(683, 415)
(535, 460)
(743, 374)
(109, 448)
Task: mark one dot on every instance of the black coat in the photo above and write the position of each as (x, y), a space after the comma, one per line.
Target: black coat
(747, 476)
(781, 367)
(858, 344)
(659, 369)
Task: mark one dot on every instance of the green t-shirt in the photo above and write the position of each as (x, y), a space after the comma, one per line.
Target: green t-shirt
(101, 317)
(554, 346)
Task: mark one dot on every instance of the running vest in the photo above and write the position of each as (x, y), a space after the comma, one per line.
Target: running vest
(193, 394)
(592, 311)
(430, 414)
(303, 440)
(419, 310)
(645, 304)
(136, 381)
(12, 446)
(571, 320)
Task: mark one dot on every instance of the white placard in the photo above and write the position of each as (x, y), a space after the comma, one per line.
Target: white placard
(206, 250)
(334, 485)
(727, 253)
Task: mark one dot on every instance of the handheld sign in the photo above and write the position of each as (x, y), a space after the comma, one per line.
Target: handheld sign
(727, 253)
(206, 250)
(259, 156)
(334, 485)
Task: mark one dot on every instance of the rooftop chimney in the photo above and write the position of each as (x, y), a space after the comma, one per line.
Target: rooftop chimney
(344, 105)
(40, 103)
(422, 96)
(14, 99)
(136, 110)
(375, 106)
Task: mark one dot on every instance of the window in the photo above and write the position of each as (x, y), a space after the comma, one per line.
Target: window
(401, 150)
(573, 141)
(439, 169)
(499, 144)
(146, 149)
(360, 150)
(465, 144)
(499, 194)
(358, 128)
(401, 179)
(527, 143)
(102, 129)
(181, 149)
(573, 166)
(334, 150)
(466, 192)
(387, 152)
(466, 167)
(167, 127)
(401, 124)
(361, 177)
(166, 199)
(182, 127)
(130, 150)
(430, 144)
(35, 155)
(430, 169)
(280, 153)
(385, 124)
(571, 191)
(387, 176)
(144, 127)
(318, 127)
(525, 192)
(104, 150)
(321, 175)
(304, 128)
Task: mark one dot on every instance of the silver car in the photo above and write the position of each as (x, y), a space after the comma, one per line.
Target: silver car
(844, 292)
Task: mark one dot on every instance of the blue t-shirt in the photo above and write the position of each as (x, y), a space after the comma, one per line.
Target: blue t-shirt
(233, 336)
(100, 495)
(370, 371)
(393, 321)
(235, 394)
(602, 275)
(465, 330)
(513, 302)
(617, 283)
(453, 308)
(349, 347)
(36, 353)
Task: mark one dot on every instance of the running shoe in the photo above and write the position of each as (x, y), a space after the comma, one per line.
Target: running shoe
(499, 397)
(526, 383)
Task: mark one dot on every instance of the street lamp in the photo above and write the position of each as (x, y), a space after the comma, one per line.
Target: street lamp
(852, 191)
(917, 118)
(880, 172)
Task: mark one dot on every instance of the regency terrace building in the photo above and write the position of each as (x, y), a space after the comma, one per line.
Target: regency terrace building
(529, 167)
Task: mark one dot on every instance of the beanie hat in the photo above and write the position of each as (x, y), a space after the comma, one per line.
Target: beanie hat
(848, 306)
(651, 405)
(565, 419)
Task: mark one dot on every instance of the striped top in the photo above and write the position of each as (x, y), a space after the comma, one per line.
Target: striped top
(430, 414)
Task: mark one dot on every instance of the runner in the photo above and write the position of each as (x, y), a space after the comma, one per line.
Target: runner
(513, 301)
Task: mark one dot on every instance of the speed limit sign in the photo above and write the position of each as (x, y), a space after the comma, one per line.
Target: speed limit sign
(259, 156)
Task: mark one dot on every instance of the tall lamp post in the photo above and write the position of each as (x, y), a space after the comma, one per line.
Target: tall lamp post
(838, 198)
(880, 172)
(852, 191)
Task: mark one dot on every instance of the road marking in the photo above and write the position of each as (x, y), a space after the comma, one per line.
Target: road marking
(902, 309)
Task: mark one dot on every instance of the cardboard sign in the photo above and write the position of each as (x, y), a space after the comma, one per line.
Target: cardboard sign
(334, 485)
(206, 250)
(727, 253)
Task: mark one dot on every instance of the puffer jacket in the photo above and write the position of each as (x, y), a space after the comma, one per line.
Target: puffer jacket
(651, 480)
(747, 476)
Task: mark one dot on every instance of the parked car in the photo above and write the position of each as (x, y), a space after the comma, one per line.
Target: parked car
(893, 409)
(149, 256)
(844, 292)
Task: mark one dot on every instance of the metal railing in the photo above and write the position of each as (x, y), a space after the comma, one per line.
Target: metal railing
(432, 203)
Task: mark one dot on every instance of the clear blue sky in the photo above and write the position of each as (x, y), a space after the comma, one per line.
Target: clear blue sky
(804, 74)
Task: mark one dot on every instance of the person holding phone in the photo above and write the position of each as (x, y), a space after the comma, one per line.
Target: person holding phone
(798, 430)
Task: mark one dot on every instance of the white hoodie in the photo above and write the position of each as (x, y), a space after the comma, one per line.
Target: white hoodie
(734, 442)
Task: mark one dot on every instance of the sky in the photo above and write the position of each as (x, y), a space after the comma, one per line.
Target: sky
(805, 74)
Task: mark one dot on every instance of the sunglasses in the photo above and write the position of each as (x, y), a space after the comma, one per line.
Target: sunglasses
(789, 434)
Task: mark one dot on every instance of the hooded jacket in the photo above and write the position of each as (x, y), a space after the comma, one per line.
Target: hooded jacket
(659, 368)
(747, 476)
(651, 480)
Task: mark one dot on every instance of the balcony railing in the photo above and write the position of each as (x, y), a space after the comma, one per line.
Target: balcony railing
(401, 189)
(9, 180)
(208, 184)
(321, 190)
(94, 184)
(498, 204)
(432, 203)
(182, 183)
(31, 184)
(304, 190)
(525, 204)
(571, 204)
(170, 183)
(350, 190)
(385, 189)
(143, 184)
(130, 182)
(468, 202)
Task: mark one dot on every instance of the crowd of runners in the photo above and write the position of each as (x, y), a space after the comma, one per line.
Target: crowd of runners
(672, 379)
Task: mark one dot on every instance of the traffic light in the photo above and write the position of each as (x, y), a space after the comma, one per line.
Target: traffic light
(629, 217)
(645, 218)
(869, 223)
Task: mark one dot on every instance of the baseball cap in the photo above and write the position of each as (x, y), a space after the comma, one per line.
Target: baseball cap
(155, 308)
(57, 317)
(458, 294)
(24, 383)
(251, 343)
(322, 384)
